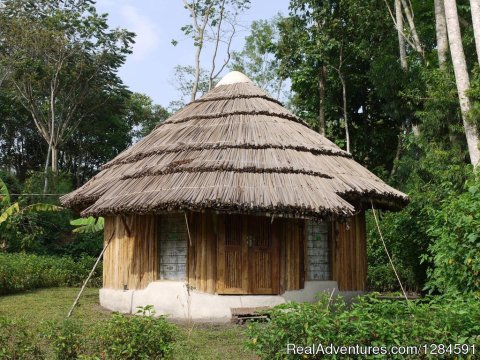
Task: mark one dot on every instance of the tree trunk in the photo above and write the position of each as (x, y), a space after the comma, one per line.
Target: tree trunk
(217, 42)
(413, 29)
(475, 9)
(54, 159)
(398, 153)
(321, 105)
(345, 114)
(401, 39)
(441, 31)
(197, 71)
(47, 163)
(461, 77)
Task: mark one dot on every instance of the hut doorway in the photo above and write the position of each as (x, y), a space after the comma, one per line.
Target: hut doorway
(248, 256)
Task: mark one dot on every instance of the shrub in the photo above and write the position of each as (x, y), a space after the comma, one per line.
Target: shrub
(382, 278)
(66, 339)
(138, 337)
(368, 321)
(20, 272)
(16, 342)
(455, 253)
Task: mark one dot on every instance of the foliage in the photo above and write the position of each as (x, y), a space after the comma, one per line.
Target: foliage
(455, 251)
(19, 229)
(21, 272)
(62, 62)
(144, 115)
(16, 342)
(88, 225)
(184, 78)
(430, 173)
(257, 59)
(138, 337)
(335, 38)
(66, 339)
(10, 209)
(208, 341)
(381, 277)
(368, 321)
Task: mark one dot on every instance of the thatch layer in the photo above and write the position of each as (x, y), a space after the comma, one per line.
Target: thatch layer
(235, 150)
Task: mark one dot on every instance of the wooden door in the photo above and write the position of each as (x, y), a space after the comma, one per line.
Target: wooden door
(263, 256)
(232, 257)
(248, 257)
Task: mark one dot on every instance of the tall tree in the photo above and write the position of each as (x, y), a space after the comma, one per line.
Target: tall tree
(461, 78)
(61, 56)
(475, 10)
(401, 37)
(441, 33)
(257, 59)
(214, 22)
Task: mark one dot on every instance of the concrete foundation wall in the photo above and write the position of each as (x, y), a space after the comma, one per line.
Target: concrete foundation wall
(171, 298)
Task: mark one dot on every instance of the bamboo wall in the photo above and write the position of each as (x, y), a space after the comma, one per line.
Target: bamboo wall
(292, 253)
(133, 255)
(349, 253)
(131, 258)
(202, 251)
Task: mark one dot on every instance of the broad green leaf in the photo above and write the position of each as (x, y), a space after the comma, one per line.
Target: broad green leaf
(88, 225)
(9, 212)
(42, 207)
(4, 195)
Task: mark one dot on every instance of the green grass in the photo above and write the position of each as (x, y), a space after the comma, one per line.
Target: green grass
(196, 341)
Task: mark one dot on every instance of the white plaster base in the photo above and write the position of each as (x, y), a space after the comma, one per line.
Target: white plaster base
(171, 298)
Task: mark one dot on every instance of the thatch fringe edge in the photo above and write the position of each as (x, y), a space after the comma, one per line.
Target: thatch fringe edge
(231, 113)
(143, 154)
(250, 169)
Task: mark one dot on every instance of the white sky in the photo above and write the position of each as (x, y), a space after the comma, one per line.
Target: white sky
(149, 69)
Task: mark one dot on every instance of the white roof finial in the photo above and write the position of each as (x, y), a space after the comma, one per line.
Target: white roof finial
(234, 77)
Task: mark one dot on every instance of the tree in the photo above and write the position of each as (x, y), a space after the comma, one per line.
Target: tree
(411, 36)
(441, 33)
(144, 115)
(475, 10)
(185, 79)
(215, 22)
(61, 57)
(257, 58)
(461, 78)
(401, 36)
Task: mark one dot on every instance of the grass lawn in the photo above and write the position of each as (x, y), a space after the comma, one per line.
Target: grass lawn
(199, 341)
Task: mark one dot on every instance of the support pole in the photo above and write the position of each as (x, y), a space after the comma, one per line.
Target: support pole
(89, 276)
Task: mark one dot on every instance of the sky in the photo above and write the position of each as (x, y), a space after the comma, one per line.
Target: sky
(150, 68)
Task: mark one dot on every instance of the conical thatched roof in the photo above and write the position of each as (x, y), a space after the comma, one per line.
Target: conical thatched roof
(235, 150)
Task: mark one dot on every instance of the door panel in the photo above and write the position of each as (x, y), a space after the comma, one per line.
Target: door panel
(233, 257)
(248, 258)
(261, 256)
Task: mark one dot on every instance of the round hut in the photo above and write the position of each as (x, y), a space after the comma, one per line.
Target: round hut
(231, 203)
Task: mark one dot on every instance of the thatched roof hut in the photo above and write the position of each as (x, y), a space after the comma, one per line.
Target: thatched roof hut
(234, 151)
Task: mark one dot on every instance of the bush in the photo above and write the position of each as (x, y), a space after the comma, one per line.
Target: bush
(138, 337)
(369, 321)
(66, 339)
(20, 272)
(120, 337)
(455, 253)
(382, 278)
(16, 342)
(431, 174)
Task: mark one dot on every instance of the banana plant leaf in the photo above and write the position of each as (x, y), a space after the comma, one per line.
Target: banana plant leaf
(12, 209)
(4, 195)
(88, 225)
(41, 207)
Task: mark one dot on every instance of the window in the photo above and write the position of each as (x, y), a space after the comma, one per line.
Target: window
(173, 247)
(318, 251)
